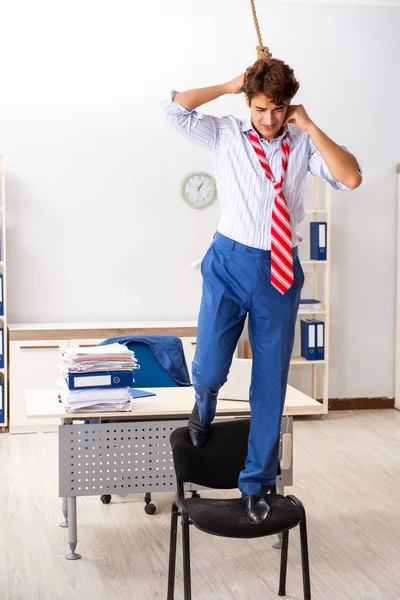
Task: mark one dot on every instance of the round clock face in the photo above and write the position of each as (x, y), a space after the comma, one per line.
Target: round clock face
(199, 190)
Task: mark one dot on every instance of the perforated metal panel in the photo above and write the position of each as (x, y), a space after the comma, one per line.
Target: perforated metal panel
(124, 458)
(116, 458)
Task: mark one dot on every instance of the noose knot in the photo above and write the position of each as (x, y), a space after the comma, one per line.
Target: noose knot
(263, 53)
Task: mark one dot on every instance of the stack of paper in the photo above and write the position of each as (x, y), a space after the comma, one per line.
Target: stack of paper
(95, 399)
(111, 357)
(97, 378)
(310, 305)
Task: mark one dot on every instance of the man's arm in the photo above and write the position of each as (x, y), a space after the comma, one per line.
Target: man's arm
(342, 165)
(191, 99)
(205, 130)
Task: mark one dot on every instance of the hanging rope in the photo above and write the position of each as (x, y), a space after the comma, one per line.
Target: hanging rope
(263, 52)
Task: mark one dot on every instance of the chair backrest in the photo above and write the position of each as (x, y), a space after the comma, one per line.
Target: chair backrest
(151, 372)
(216, 465)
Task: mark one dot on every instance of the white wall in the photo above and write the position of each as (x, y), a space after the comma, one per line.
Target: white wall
(96, 226)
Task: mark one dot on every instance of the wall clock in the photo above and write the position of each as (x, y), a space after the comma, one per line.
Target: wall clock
(199, 190)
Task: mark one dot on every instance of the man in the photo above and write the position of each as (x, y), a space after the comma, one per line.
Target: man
(252, 266)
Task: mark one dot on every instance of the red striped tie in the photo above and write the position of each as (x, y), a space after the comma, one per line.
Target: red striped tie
(282, 276)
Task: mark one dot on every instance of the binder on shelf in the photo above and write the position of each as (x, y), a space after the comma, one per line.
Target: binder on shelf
(308, 339)
(101, 379)
(1, 295)
(320, 340)
(1, 348)
(318, 233)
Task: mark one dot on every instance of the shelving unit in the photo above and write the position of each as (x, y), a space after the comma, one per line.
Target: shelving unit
(320, 282)
(3, 317)
(317, 277)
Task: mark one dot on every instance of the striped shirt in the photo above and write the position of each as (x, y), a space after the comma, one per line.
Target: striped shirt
(245, 195)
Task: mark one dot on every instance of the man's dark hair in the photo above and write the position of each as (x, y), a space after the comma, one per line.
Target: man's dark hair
(275, 79)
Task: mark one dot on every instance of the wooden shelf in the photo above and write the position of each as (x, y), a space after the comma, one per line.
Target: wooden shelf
(295, 360)
(299, 360)
(69, 331)
(297, 404)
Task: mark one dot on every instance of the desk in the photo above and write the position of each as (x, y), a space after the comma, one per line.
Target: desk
(130, 453)
(35, 351)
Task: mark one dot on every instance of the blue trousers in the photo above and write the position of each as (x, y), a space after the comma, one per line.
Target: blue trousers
(237, 282)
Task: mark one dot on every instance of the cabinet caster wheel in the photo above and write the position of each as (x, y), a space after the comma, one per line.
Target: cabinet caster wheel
(106, 499)
(150, 509)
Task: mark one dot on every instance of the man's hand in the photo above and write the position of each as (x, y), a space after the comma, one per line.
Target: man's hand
(235, 86)
(297, 115)
(342, 165)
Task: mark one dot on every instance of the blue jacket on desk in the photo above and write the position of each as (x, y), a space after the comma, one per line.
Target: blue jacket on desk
(167, 349)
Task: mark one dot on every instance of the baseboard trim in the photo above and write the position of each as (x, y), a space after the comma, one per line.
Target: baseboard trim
(359, 403)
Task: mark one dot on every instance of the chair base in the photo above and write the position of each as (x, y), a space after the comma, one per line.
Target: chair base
(189, 511)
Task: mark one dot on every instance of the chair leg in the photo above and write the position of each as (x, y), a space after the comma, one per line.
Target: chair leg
(186, 557)
(172, 553)
(284, 557)
(304, 559)
(304, 549)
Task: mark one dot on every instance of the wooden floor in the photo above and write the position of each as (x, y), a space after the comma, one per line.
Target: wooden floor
(347, 473)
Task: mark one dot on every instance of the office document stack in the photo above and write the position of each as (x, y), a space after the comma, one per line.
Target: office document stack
(97, 378)
(310, 305)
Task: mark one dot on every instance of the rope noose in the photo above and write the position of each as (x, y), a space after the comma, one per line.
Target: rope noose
(263, 52)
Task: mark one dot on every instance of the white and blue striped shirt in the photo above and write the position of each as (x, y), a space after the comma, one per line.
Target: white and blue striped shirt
(245, 195)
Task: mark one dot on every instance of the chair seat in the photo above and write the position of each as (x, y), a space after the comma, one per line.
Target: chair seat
(226, 518)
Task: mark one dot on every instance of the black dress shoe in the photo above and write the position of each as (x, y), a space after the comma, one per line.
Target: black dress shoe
(198, 431)
(256, 509)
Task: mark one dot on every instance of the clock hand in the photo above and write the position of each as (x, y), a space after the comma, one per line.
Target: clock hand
(201, 185)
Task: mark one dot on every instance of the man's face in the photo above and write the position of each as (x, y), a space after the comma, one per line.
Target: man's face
(266, 117)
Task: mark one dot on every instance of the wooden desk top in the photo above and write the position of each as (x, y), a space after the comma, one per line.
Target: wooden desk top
(168, 402)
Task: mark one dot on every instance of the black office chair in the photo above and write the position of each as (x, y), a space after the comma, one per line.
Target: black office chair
(217, 466)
